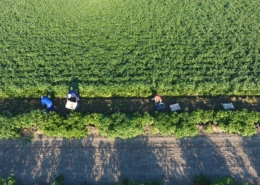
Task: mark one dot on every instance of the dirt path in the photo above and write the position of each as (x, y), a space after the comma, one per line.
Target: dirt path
(95, 160)
(107, 105)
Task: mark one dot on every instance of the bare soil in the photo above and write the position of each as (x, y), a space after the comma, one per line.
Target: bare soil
(96, 160)
(129, 105)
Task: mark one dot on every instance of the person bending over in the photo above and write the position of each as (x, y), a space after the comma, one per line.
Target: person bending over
(73, 96)
(46, 101)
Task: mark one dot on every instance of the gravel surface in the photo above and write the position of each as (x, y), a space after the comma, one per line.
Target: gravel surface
(97, 160)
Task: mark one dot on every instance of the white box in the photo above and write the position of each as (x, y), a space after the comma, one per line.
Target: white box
(227, 106)
(71, 105)
(175, 107)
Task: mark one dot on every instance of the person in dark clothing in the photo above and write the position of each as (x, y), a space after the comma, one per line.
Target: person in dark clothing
(46, 101)
(72, 100)
(159, 105)
(73, 96)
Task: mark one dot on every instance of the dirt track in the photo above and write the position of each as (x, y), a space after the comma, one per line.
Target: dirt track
(111, 105)
(96, 160)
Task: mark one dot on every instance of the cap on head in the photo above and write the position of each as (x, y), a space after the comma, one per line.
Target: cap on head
(69, 95)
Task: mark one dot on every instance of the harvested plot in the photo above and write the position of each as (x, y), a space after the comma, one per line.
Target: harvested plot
(129, 48)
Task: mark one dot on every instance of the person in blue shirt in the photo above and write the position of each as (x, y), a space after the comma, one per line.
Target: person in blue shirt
(46, 101)
(73, 96)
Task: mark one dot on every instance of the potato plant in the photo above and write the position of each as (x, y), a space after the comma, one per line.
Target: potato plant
(129, 48)
(122, 125)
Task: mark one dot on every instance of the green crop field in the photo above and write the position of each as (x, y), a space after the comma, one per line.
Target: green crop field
(129, 47)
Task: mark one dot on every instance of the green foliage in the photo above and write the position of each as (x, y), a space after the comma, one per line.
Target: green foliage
(127, 181)
(165, 124)
(59, 180)
(201, 116)
(179, 124)
(224, 181)
(227, 181)
(70, 127)
(92, 119)
(7, 127)
(240, 122)
(198, 180)
(209, 129)
(124, 126)
(121, 125)
(8, 181)
(28, 139)
(186, 125)
(31, 119)
(201, 180)
(126, 48)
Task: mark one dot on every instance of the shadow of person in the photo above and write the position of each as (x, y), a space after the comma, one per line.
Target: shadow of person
(74, 158)
(203, 155)
(153, 92)
(250, 147)
(51, 95)
(74, 85)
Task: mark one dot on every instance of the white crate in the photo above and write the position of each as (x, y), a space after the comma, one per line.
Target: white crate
(71, 105)
(227, 106)
(175, 107)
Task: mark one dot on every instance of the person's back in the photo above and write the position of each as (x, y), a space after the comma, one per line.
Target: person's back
(46, 101)
(73, 96)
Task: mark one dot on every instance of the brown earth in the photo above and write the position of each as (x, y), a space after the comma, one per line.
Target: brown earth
(96, 160)
(106, 105)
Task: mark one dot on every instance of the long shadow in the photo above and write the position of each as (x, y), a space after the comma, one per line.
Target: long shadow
(39, 162)
(31, 163)
(251, 148)
(101, 160)
(234, 156)
(142, 159)
(239, 161)
(202, 155)
(78, 163)
(134, 159)
(86, 161)
(74, 85)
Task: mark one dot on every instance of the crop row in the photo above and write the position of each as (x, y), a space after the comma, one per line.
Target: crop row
(121, 125)
(126, 48)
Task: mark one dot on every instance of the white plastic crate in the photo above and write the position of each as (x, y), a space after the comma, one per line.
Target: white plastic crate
(71, 105)
(227, 106)
(175, 107)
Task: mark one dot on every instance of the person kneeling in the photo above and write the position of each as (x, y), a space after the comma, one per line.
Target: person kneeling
(46, 101)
